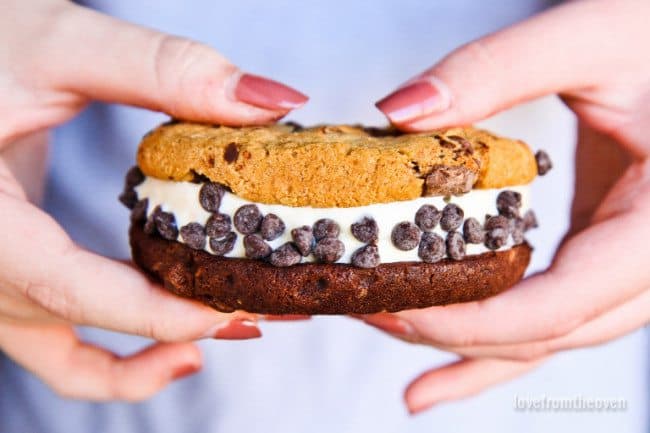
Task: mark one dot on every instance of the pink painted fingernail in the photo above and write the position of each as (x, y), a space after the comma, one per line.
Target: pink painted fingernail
(417, 99)
(391, 324)
(184, 370)
(264, 93)
(238, 329)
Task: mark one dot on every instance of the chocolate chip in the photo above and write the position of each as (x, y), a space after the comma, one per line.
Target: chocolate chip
(230, 153)
(150, 225)
(432, 247)
(223, 246)
(467, 146)
(530, 220)
(496, 238)
(405, 236)
(452, 217)
(255, 247)
(365, 230)
(326, 228)
(444, 180)
(134, 177)
(139, 212)
(272, 227)
(285, 255)
(165, 224)
(193, 234)
(497, 222)
(218, 225)
(455, 246)
(508, 203)
(199, 178)
(427, 217)
(248, 219)
(303, 238)
(210, 196)
(366, 257)
(473, 232)
(543, 161)
(517, 228)
(128, 198)
(329, 250)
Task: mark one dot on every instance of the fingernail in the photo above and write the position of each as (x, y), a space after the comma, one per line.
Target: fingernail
(184, 370)
(238, 329)
(417, 410)
(417, 99)
(264, 93)
(391, 324)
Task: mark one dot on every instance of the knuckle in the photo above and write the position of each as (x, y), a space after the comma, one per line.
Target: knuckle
(58, 302)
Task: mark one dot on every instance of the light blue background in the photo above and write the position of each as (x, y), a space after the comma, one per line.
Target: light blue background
(333, 374)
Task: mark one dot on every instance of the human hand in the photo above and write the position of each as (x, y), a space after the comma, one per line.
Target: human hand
(55, 57)
(598, 286)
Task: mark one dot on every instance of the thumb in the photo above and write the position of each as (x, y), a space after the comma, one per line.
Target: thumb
(568, 48)
(107, 59)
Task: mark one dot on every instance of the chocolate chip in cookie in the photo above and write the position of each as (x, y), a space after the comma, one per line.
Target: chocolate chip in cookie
(508, 203)
(326, 228)
(473, 232)
(193, 235)
(494, 222)
(544, 163)
(134, 177)
(128, 198)
(328, 250)
(271, 227)
(247, 219)
(210, 196)
(432, 247)
(427, 217)
(223, 246)
(366, 230)
(366, 257)
(165, 224)
(496, 238)
(218, 225)
(285, 255)
(303, 238)
(455, 246)
(255, 247)
(405, 236)
(452, 217)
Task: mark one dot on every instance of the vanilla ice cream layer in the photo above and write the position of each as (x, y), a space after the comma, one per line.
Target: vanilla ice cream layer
(182, 200)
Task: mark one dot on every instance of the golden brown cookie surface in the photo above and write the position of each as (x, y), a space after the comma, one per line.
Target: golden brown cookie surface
(335, 166)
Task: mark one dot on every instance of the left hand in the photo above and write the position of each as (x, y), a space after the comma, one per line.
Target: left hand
(597, 288)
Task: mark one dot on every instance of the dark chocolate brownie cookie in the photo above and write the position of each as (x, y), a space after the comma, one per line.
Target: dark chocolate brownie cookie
(229, 284)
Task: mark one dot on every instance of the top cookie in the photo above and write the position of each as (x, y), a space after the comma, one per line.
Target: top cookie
(335, 166)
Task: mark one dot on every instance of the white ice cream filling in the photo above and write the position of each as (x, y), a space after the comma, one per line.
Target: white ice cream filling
(182, 200)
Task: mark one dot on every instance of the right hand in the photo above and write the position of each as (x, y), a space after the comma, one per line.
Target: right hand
(55, 57)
